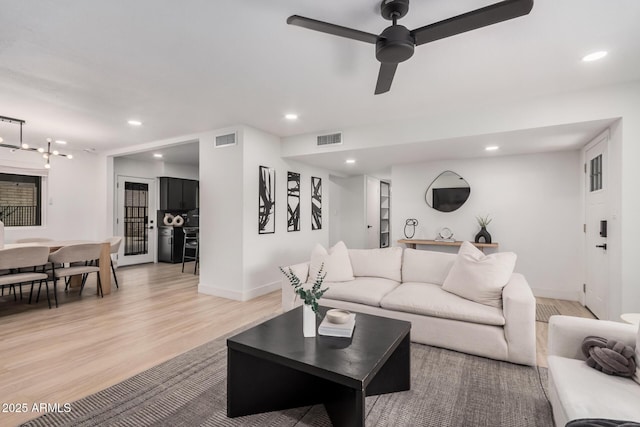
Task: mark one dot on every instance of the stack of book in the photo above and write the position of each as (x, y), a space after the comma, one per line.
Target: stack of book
(338, 329)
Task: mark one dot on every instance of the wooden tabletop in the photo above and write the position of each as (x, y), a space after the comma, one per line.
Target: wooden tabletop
(52, 244)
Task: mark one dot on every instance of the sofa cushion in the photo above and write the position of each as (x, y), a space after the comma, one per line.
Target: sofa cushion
(385, 263)
(426, 266)
(586, 393)
(337, 265)
(429, 299)
(362, 290)
(636, 377)
(480, 277)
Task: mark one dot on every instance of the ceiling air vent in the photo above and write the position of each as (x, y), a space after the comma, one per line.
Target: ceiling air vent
(225, 140)
(331, 139)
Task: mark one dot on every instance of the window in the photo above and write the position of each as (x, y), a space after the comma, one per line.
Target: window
(20, 197)
(595, 176)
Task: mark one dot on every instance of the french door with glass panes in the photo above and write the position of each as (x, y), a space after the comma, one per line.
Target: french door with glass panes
(135, 221)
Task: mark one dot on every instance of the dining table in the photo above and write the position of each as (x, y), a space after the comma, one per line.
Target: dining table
(104, 262)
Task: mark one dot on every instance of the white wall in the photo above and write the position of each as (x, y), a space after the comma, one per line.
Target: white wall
(263, 253)
(74, 195)
(221, 226)
(176, 170)
(136, 168)
(536, 215)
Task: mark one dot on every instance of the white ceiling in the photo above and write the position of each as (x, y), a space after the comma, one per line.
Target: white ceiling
(78, 70)
(376, 161)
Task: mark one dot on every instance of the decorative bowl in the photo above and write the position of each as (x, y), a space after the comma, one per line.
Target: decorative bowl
(338, 316)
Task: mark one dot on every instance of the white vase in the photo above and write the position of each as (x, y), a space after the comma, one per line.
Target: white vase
(308, 321)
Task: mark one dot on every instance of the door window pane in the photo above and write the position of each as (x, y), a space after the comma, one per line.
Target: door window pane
(136, 216)
(595, 175)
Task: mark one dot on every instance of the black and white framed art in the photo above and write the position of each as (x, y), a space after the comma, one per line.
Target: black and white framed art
(266, 200)
(316, 203)
(293, 201)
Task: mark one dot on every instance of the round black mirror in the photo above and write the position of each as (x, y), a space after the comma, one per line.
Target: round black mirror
(447, 192)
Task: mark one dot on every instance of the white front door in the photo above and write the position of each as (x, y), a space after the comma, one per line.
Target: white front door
(136, 220)
(373, 213)
(597, 211)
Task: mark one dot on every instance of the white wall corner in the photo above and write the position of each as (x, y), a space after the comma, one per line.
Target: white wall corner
(261, 290)
(220, 292)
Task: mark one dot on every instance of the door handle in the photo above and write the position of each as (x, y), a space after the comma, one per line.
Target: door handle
(603, 246)
(369, 226)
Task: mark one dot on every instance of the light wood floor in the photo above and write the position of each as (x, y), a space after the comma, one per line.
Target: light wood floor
(88, 344)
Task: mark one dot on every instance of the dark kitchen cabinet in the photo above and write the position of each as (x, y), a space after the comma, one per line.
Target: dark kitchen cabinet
(178, 194)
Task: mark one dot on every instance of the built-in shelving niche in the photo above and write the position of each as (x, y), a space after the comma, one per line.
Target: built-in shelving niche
(385, 213)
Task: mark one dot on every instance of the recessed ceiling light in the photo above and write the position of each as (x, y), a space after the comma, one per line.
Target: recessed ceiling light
(594, 56)
(291, 116)
(135, 122)
(157, 155)
(350, 161)
(60, 142)
(491, 148)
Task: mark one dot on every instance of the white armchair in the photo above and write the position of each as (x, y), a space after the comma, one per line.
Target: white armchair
(578, 391)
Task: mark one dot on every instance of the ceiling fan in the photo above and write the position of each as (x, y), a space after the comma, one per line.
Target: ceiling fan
(396, 43)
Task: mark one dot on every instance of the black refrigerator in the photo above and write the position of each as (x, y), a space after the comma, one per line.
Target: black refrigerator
(170, 244)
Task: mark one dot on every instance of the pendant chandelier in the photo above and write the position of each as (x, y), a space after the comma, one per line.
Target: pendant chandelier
(46, 153)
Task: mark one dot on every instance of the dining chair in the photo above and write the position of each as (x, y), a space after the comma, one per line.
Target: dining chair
(16, 260)
(115, 242)
(82, 260)
(191, 243)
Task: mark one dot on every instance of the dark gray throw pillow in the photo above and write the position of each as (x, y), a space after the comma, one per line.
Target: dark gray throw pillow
(609, 356)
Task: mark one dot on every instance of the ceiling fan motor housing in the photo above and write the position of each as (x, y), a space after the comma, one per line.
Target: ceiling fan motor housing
(394, 9)
(395, 45)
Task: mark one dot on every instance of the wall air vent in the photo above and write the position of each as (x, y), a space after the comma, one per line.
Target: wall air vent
(330, 139)
(226, 140)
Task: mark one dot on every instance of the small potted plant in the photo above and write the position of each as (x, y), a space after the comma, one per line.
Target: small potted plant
(483, 234)
(309, 298)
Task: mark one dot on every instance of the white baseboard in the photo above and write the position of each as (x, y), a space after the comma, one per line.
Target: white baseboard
(557, 294)
(261, 290)
(220, 292)
(238, 295)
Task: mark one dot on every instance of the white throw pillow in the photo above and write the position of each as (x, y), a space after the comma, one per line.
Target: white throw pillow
(426, 266)
(385, 262)
(479, 277)
(337, 264)
(636, 377)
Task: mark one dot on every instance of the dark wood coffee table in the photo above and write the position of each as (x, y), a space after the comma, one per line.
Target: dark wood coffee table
(273, 367)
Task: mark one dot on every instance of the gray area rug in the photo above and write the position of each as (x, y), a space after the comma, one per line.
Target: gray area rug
(544, 312)
(447, 389)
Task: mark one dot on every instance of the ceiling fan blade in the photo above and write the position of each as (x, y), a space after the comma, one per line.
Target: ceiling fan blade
(385, 77)
(336, 30)
(473, 20)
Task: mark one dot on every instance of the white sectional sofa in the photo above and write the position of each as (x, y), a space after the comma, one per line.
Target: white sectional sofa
(407, 285)
(577, 391)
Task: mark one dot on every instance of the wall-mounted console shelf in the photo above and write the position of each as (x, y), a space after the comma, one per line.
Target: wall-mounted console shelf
(411, 243)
